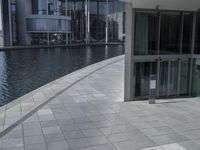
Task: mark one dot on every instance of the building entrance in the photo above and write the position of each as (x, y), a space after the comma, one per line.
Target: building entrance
(168, 78)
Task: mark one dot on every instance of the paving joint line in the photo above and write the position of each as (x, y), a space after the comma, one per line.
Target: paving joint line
(8, 129)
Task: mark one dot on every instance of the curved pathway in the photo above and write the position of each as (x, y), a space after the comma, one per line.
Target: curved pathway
(85, 111)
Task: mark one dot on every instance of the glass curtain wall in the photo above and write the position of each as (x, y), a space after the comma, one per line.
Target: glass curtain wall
(1, 27)
(184, 77)
(49, 7)
(97, 21)
(51, 31)
(76, 9)
(159, 34)
(146, 33)
(95, 13)
(170, 33)
(196, 78)
(197, 43)
(39, 7)
(143, 70)
(14, 22)
(98, 13)
(163, 78)
(187, 33)
(173, 81)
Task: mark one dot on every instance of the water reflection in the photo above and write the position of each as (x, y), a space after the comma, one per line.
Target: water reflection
(25, 70)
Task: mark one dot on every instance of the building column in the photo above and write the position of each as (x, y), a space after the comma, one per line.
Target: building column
(129, 47)
(87, 20)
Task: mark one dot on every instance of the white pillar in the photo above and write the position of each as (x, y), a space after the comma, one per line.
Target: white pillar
(129, 90)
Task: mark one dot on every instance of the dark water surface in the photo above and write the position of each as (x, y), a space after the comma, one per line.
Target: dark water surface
(25, 70)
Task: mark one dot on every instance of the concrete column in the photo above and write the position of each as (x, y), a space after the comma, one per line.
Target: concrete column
(10, 23)
(23, 9)
(129, 65)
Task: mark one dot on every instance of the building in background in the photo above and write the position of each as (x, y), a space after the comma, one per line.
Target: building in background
(60, 22)
(163, 40)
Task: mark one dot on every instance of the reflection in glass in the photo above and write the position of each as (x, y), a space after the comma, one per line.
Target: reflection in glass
(170, 33)
(57, 38)
(187, 33)
(163, 79)
(39, 38)
(197, 43)
(196, 78)
(146, 33)
(143, 71)
(1, 32)
(173, 84)
(184, 78)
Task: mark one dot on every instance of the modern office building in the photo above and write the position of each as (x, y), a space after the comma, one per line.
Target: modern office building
(163, 42)
(60, 22)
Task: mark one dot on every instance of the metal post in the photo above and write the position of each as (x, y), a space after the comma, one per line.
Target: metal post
(87, 22)
(67, 26)
(107, 21)
(10, 22)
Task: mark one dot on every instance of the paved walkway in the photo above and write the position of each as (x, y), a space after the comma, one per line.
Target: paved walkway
(89, 114)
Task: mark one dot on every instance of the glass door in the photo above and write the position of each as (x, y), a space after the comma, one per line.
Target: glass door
(163, 78)
(143, 70)
(173, 81)
(168, 78)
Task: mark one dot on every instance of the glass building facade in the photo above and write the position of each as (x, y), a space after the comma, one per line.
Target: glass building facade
(166, 44)
(97, 21)
(60, 22)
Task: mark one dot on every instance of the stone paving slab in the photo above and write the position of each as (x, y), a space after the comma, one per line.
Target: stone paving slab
(20, 109)
(91, 115)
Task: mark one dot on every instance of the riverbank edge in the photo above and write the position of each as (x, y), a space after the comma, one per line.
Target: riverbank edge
(15, 112)
(55, 46)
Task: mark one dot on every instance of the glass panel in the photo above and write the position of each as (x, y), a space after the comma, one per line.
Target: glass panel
(42, 7)
(39, 39)
(57, 38)
(146, 33)
(173, 78)
(196, 78)
(187, 33)
(197, 44)
(163, 79)
(1, 23)
(143, 71)
(184, 77)
(170, 33)
(13, 22)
